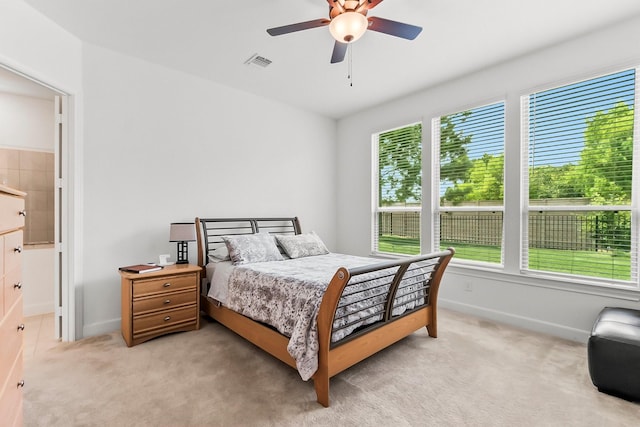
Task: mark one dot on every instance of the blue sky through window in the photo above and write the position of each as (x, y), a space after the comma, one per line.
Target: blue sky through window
(557, 117)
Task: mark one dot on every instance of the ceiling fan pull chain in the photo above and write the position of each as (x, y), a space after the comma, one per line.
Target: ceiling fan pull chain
(350, 74)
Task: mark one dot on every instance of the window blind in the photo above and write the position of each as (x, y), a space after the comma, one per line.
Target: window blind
(581, 136)
(400, 166)
(471, 155)
(580, 143)
(399, 196)
(471, 180)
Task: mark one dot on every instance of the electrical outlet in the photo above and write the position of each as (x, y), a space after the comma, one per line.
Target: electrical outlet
(468, 286)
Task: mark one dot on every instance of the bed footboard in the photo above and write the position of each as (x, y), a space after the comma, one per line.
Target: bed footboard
(398, 297)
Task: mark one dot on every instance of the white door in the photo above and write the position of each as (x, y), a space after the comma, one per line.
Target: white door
(60, 135)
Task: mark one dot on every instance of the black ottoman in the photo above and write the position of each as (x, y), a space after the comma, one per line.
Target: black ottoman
(614, 352)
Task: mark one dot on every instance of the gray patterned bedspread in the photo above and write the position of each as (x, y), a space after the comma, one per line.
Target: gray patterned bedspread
(287, 295)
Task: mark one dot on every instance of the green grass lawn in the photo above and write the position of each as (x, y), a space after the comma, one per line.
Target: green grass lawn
(610, 265)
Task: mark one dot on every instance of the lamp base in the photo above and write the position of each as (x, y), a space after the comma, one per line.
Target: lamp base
(183, 253)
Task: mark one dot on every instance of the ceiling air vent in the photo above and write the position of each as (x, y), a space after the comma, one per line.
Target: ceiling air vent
(258, 60)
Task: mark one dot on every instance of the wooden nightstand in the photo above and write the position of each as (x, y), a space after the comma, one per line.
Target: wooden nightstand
(160, 302)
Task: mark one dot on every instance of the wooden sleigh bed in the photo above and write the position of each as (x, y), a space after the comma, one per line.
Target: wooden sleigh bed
(424, 272)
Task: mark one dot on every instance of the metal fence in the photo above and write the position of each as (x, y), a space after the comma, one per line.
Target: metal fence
(579, 231)
(403, 224)
(472, 228)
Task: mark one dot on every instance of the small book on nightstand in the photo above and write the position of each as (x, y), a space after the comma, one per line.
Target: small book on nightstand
(141, 268)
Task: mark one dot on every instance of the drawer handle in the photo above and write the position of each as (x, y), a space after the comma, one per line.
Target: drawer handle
(17, 285)
(22, 213)
(21, 327)
(166, 319)
(167, 301)
(166, 285)
(18, 249)
(20, 383)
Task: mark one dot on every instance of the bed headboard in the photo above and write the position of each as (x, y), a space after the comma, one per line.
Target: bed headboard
(210, 231)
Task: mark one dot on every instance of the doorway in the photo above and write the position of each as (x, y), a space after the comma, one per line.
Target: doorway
(34, 146)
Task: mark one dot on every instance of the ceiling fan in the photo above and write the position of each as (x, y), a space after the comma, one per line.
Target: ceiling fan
(348, 22)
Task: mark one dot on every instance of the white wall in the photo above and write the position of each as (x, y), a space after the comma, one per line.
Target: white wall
(543, 305)
(26, 123)
(162, 146)
(37, 279)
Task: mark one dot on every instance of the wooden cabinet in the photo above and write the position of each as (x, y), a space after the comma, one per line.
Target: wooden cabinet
(160, 302)
(12, 216)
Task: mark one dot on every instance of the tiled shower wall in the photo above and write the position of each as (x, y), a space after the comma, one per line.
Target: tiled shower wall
(33, 173)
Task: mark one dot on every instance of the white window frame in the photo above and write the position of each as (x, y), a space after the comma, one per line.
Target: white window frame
(438, 209)
(633, 207)
(375, 199)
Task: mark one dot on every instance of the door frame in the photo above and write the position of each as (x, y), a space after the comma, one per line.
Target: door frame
(67, 221)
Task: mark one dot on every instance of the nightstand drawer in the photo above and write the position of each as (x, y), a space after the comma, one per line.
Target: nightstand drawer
(164, 284)
(164, 319)
(163, 302)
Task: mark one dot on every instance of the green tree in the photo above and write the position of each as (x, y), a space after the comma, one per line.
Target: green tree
(555, 182)
(606, 159)
(400, 165)
(454, 158)
(484, 181)
(486, 178)
(603, 173)
(606, 171)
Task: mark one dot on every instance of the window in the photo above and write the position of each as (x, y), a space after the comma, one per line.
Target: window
(470, 172)
(579, 147)
(398, 193)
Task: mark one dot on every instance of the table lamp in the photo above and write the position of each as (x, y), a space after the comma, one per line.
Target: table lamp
(182, 232)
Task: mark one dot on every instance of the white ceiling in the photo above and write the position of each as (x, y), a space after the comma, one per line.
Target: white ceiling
(213, 38)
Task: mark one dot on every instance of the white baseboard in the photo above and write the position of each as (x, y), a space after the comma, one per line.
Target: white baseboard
(100, 328)
(38, 309)
(536, 325)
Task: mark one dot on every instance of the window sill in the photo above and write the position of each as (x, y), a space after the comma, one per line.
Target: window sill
(577, 285)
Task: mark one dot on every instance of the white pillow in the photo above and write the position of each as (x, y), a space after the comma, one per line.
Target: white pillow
(220, 253)
(302, 245)
(248, 248)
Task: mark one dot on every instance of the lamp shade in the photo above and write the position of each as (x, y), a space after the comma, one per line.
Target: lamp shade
(182, 232)
(348, 27)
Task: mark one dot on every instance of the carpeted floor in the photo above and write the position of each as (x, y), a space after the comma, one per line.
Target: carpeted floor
(477, 373)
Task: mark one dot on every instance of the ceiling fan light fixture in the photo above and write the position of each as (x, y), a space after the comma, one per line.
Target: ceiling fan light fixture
(348, 26)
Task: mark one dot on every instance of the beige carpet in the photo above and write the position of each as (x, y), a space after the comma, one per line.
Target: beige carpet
(477, 373)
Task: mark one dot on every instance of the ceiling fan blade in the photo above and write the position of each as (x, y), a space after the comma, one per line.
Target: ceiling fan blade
(339, 51)
(370, 4)
(286, 29)
(394, 28)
